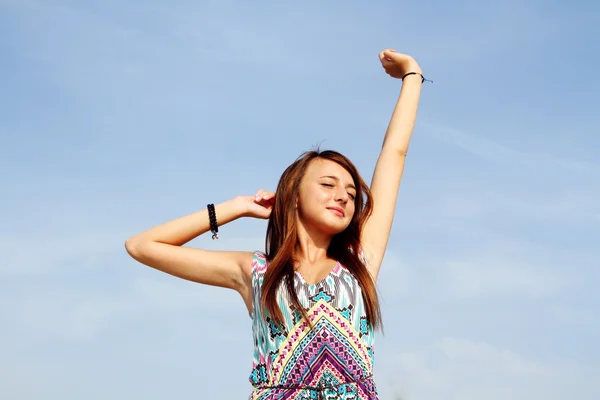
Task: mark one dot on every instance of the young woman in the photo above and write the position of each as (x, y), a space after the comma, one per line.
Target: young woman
(311, 295)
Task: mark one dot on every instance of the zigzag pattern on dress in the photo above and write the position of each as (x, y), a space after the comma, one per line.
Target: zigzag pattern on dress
(334, 358)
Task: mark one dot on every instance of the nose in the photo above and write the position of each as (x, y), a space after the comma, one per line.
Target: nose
(342, 195)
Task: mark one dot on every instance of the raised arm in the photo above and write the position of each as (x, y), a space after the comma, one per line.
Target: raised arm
(390, 164)
(162, 247)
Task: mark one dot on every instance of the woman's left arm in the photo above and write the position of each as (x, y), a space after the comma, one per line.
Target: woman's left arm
(390, 165)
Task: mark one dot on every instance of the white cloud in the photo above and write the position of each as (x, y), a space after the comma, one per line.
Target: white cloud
(581, 317)
(481, 146)
(483, 353)
(169, 294)
(490, 277)
(480, 203)
(491, 266)
(461, 369)
(83, 312)
(34, 254)
(395, 276)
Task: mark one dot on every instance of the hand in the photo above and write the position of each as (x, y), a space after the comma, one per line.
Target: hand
(397, 65)
(259, 205)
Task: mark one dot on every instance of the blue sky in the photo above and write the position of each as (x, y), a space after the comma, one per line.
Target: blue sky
(116, 116)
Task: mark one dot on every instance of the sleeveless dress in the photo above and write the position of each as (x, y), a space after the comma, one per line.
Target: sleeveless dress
(333, 361)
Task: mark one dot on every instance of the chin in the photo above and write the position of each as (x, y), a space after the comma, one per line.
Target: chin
(334, 228)
(327, 224)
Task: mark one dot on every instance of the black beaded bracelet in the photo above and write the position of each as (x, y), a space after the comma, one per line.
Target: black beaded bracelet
(417, 73)
(212, 217)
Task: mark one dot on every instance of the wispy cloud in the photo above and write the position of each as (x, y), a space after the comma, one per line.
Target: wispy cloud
(490, 278)
(83, 313)
(488, 149)
(463, 369)
(123, 115)
(26, 255)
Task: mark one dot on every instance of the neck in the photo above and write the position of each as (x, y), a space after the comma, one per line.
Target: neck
(312, 244)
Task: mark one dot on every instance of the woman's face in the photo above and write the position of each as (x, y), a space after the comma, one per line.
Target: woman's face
(326, 197)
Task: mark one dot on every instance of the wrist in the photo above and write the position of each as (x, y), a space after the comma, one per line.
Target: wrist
(240, 206)
(412, 75)
(413, 66)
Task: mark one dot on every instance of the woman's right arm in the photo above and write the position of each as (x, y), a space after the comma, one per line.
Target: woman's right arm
(162, 248)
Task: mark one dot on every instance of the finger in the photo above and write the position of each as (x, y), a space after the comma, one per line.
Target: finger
(264, 199)
(389, 53)
(267, 203)
(385, 54)
(393, 56)
(387, 64)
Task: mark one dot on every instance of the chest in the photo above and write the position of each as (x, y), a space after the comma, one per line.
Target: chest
(338, 288)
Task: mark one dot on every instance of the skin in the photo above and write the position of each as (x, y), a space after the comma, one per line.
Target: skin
(325, 207)
(162, 247)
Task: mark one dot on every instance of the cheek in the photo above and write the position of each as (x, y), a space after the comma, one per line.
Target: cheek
(313, 199)
(351, 205)
(307, 201)
(324, 196)
(351, 209)
(316, 196)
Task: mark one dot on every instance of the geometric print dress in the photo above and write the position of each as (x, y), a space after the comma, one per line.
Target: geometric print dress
(331, 361)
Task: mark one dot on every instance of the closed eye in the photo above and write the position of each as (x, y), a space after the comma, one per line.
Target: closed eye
(327, 184)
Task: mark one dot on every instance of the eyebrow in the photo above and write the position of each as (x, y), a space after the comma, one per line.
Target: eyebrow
(335, 178)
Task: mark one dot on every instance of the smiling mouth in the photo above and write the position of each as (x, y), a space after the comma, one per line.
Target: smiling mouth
(337, 212)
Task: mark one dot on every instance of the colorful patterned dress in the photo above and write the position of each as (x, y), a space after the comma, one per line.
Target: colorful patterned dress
(334, 360)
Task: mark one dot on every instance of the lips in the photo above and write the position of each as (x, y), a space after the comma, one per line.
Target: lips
(337, 211)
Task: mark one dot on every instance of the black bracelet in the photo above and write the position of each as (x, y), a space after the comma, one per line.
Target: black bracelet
(417, 73)
(212, 216)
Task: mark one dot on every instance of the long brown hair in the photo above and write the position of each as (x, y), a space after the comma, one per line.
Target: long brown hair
(281, 239)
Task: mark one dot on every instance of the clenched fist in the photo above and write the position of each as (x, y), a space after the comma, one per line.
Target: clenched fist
(397, 64)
